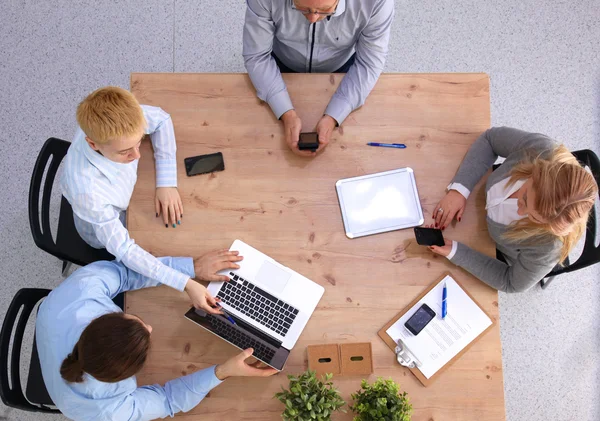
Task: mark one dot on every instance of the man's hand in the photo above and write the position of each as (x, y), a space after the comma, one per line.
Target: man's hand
(207, 266)
(168, 203)
(237, 367)
(200, 297)
(292, 125)
(325, 128)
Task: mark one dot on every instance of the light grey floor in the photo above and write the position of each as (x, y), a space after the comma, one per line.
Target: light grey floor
(544, 61)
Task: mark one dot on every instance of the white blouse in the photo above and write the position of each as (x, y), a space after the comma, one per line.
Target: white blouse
(499, 206)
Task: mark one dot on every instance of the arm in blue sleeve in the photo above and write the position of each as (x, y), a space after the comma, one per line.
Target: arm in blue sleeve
(114, 277)
(133, 280)
(179, 395)
(371, 52)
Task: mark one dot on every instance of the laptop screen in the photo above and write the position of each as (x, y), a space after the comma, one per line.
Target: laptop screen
(242, 335)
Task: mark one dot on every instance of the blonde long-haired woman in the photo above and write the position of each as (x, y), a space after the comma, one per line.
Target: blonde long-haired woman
(538, 202)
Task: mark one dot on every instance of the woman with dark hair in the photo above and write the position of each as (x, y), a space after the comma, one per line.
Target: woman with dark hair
(90, 350)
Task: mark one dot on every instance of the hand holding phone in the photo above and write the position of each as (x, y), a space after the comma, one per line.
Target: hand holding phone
(429, 237)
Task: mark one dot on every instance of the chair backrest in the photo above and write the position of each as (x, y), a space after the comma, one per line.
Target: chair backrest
(53, 151)
(591, 252)
(11, 391)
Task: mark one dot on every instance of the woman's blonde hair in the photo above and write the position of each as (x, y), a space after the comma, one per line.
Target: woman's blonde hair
(565, 193)
(109, 113)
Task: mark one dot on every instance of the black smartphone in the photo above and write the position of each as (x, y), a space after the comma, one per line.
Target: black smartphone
(420, 319)
(203, 164)
(429, 237)
(308, 142)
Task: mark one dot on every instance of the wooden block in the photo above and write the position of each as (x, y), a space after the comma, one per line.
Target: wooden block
(324, 359)
(356, 358)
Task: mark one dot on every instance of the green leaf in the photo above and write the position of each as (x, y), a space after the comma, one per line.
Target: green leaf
(381, 401)
(310, 398)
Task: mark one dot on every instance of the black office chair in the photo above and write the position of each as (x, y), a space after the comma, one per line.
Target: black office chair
(69, 246)
(591, 252)
(36, 396)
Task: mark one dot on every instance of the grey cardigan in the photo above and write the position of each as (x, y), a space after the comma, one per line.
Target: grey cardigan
(528, 261)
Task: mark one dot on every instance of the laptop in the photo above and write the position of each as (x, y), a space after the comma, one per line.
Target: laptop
(270, 304)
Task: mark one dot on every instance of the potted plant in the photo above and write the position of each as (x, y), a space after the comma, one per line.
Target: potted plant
(381, 401)
(309, 398)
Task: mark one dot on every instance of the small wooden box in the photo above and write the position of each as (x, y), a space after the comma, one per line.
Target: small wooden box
(324, 359)
(341, 359)
(356, 358)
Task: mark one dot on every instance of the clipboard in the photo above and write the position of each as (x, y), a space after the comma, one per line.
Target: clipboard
(392, 345)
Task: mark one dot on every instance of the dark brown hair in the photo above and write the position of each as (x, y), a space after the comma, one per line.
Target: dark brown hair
(111, 348)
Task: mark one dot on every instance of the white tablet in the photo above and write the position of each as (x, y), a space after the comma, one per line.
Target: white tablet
(381, 202)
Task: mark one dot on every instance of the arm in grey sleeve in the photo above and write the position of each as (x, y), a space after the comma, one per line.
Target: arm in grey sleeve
(259, 31)
(495, 142)
(529, 268)
(371, 52)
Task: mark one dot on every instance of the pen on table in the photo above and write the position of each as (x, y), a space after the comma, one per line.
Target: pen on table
(227, 315)
(444, 302)
(388, 145)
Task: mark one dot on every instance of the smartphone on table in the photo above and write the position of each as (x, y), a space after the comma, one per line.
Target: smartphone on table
(308, 142)
(419, 319)
(203, 164)
(429, 237)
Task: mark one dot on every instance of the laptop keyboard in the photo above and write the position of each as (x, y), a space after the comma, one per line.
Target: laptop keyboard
(233, 335)
(257, 304)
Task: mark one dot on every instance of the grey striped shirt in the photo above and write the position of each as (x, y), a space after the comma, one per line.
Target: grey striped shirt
(358, 26)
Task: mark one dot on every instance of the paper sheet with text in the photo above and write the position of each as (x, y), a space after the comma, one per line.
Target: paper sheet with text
(441, 340)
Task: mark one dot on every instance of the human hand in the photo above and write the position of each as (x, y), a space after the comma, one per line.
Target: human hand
(325, 128)
(238, 367)
(200, 297)
(444, 250)
(452, 205)
(292, 125)
(168, 203)
(207, 266)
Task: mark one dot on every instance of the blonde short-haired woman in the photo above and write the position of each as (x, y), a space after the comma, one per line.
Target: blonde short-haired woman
(537, 202)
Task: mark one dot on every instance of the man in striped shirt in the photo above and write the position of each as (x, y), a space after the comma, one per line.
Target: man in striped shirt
(100, 172)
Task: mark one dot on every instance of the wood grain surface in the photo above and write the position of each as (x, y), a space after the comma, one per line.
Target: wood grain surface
(286, 207)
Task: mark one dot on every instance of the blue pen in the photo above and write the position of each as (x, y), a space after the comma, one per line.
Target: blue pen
(388, 145)
(227, 315)
(444, 302)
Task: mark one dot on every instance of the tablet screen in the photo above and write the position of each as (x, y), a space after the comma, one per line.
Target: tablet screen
(379, 202)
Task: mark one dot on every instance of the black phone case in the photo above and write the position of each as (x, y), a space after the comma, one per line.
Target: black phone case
(190, 160)
(308, 145)
(429, 237)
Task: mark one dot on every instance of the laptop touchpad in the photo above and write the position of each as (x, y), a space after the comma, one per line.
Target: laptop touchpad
(274, 278)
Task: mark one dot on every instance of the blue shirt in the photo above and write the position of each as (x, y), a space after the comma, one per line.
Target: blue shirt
(84, 296)
(358, 26)
(99, 191)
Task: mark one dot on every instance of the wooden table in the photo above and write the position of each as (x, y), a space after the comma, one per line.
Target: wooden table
(286, 207)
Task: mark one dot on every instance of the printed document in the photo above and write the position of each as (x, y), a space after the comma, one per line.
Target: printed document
(441, 339)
